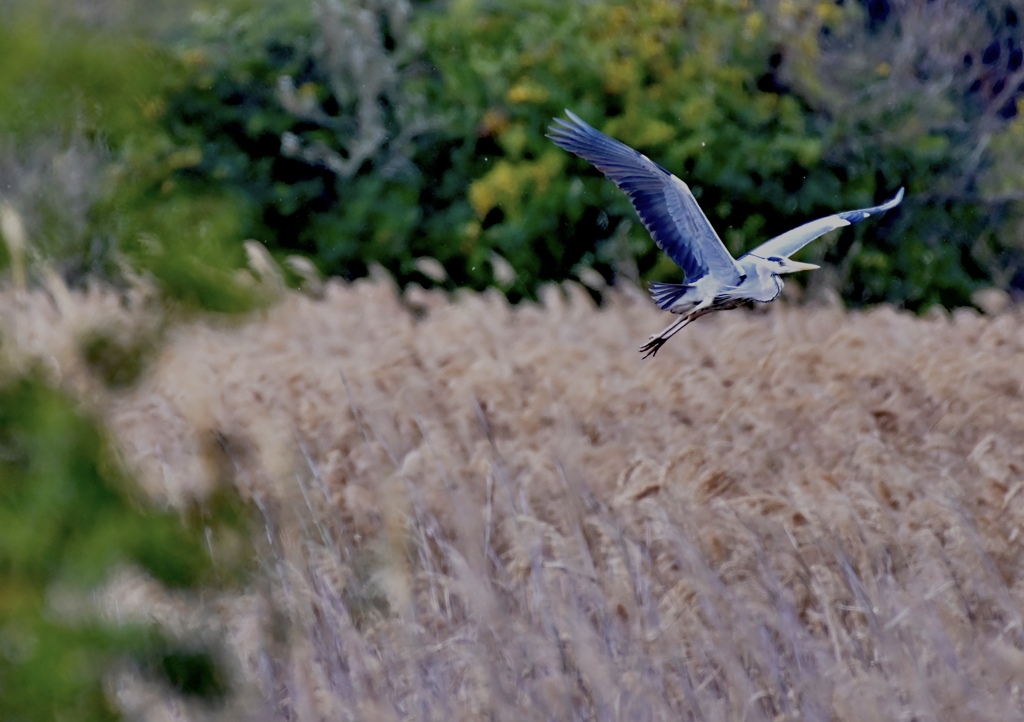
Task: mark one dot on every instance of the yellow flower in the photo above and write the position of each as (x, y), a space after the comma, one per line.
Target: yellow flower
(471, 231)
(153, 108)
(618, 18)
(482, 197)
(507, 184)
(185, 158)
(307, 91)
(497, 187)
(654, 132)
(195, 58)
(665, 12)
(752, 25)
(526, 92)
(828, 12)
(493, 123)
(620, 75)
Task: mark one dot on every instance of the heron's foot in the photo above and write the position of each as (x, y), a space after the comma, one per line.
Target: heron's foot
(654, 343)
(652, 346)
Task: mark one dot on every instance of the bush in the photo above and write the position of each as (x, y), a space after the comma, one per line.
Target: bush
(66, 97)
(85, 166)
(272, 114)
(68, 517)
(372, 132)
(925, 92)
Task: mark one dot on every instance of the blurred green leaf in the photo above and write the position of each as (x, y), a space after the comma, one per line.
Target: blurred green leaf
(68, 517)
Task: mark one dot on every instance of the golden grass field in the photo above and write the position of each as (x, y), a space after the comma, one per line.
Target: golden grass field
(471, 511)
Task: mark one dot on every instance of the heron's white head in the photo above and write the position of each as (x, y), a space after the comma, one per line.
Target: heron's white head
(780, 265)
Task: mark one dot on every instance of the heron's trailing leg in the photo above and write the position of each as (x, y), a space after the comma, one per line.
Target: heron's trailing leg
(655, 343)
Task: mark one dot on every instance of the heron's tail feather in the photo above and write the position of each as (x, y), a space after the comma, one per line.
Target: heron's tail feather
(666, 294)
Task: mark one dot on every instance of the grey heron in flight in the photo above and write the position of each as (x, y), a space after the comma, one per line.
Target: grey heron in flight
(714, 280)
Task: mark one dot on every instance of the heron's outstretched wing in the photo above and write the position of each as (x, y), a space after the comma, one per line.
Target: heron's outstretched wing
(792, 241)
(664, 203)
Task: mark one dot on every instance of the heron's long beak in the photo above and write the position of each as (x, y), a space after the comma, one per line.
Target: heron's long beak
(793, 266)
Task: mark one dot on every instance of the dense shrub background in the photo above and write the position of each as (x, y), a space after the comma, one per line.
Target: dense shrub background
(365, 131)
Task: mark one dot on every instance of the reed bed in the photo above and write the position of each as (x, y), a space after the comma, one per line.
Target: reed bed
(468, 510)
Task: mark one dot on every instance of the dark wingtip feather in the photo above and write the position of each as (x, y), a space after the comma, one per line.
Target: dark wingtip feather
(852, 217)
(562, 131)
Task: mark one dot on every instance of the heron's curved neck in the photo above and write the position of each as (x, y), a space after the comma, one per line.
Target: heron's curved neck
(769, 283)
(764, 272)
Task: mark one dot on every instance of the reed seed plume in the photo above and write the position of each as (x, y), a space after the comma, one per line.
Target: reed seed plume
(472, 510)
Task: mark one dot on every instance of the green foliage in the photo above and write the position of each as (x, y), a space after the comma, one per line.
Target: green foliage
(85, 164)
(902, 102)
(681, 82)
(368, 132)
(190, 242)
(55, 76)
(66, 97)
(67, 517)
(228, 122)
(729, 95)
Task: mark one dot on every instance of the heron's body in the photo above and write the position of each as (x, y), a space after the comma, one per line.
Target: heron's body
(757, 283)
(715, 281)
